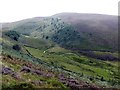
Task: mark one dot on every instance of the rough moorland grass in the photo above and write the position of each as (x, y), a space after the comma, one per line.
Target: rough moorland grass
(77, 63)
(27, 78)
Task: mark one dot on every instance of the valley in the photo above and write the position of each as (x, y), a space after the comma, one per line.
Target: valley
(66, 51)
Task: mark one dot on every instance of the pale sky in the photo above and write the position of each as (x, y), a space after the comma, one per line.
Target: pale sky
(14, 10)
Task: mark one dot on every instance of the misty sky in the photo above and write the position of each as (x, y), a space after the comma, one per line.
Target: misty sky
(14, 10)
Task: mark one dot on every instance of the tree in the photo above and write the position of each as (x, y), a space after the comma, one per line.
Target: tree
(47, 37)
(16, 47)
(102, 79)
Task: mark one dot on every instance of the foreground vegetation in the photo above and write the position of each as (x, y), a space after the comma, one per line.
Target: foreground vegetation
(75, 65)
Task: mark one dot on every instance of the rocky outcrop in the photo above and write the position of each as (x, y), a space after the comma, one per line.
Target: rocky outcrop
(8, 71)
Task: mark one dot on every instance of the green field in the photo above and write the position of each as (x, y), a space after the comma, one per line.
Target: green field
(79, 64)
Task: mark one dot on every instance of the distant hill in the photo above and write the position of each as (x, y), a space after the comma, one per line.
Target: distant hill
(72, 30)
(96, 28)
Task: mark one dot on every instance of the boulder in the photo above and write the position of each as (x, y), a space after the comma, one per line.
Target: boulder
(25, 69)
(6, 70)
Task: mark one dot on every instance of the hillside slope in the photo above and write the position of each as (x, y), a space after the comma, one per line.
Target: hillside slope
(96, 28)
(72, 30)
(92, 69)
(66, 50)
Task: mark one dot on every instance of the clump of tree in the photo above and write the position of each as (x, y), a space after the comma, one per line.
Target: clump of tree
(13, 35)
(16, 47)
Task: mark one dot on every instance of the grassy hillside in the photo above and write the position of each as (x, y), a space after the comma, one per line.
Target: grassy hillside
(24, 74)
(96, 28)
(72, 30)
(60, 60)
(68, 51)
(79, 65)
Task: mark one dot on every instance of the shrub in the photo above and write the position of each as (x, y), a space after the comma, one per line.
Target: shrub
(102, 79)
(47, 37)
(16, 47)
